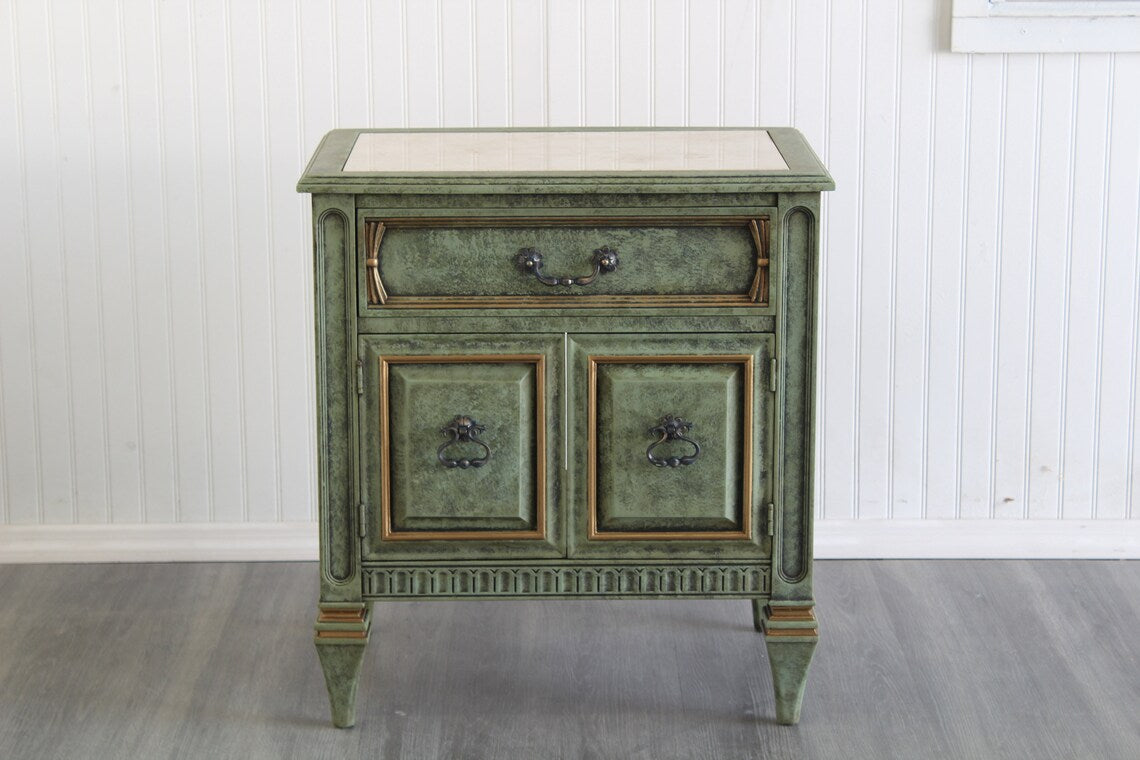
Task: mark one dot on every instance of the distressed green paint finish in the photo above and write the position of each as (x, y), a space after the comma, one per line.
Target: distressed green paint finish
(424, 397)
(634, 494)
(333, 242)
(654, 505)
(789, 659)
(342, 633)
(580, 212)
(565, 216)
(790, 634)
(481, 261)
(341, 661)
(428, 495)
(797, 274)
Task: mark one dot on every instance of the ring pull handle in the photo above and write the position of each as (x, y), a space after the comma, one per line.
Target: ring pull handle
(672, 429)
(605, 259)
(463, 429)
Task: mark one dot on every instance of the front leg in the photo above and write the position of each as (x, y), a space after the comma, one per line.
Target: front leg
(342, 636)
(791, 633)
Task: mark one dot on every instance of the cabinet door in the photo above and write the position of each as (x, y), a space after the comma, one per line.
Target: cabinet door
(671, 448)
(459, 445)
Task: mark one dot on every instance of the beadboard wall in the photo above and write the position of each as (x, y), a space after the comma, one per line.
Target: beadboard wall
(981, 284)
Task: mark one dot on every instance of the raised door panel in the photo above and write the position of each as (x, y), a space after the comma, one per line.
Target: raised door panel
(682, 472)
(482, 476)
(672, 441)
(458, 456)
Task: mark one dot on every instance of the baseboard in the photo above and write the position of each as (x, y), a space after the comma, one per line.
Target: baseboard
(835, 539)
(170, 542)
(977, 539)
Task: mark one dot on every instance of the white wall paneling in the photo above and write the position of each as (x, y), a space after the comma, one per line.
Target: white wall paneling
(981, 285)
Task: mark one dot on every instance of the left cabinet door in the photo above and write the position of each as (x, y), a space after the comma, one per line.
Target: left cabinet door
(460, 451)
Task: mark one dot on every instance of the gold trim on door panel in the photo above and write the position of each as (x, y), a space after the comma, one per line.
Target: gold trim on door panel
(539, 532)
(592, 532)
(378, 295)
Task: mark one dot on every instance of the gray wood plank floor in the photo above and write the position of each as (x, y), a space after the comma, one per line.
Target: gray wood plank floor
(961, 659)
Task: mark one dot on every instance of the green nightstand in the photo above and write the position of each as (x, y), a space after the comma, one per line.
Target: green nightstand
(565, 363)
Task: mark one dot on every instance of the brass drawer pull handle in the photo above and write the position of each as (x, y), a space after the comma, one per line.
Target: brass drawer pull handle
(672, 429)
(605, 259)
(463, 430)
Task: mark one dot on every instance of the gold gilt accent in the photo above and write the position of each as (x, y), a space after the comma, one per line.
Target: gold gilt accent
(378, 295)
(373, 234)
(539, 532)
(759, 290)
(745, 532)
(342, 622)
(342, 634)
(789, 620)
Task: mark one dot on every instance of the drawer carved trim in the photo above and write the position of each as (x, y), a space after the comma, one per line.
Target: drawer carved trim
(561, 580)
(593, 533)
(373, 234)
(760, 237)
(387, 533)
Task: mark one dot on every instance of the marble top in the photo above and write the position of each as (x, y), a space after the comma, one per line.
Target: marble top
(551, 151)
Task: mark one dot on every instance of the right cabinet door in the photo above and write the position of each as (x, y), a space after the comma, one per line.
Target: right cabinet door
(671, 450)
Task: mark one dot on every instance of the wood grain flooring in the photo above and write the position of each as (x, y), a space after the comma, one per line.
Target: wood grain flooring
(918, 659)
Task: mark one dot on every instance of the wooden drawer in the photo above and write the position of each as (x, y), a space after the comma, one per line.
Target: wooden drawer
(459, 444)
(672, 444)
(520, 262)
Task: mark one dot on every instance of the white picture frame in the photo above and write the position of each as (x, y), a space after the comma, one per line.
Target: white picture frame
(1045, 26)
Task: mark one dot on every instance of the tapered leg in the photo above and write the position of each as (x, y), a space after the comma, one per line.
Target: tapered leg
(342, 637)
(791, 633)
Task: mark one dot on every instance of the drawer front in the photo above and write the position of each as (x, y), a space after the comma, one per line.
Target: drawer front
(673, 443)
(458, 455)
(465, 263)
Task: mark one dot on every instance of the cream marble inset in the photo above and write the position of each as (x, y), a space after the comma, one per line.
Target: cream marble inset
(638, 150)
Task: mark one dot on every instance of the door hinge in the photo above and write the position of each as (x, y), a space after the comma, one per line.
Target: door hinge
(772, 375)
(771, 520)
(359, 377)
(361, 522)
